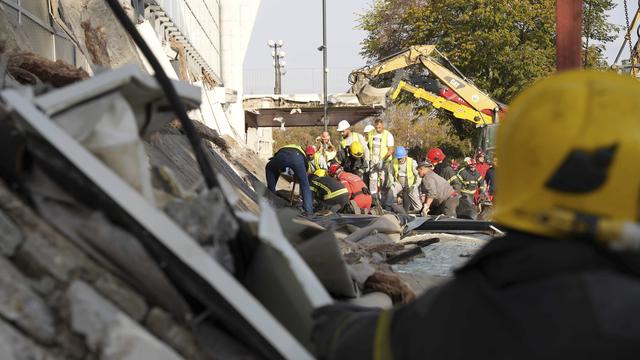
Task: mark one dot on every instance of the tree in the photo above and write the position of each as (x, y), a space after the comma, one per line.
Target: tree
(597, 31)
(504, 45)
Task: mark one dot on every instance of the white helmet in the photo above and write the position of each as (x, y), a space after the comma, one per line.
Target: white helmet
(368, 128)
(343, 125)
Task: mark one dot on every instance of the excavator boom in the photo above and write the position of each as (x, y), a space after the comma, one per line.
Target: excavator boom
(468, 93)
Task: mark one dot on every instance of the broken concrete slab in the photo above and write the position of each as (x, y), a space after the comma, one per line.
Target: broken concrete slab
(10, 236)
(22, 306)
(108, 331)
(16, 346)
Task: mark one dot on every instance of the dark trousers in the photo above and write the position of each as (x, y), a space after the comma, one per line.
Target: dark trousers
(467, 208)
(448, 207)
(295, 162)
(335, 204)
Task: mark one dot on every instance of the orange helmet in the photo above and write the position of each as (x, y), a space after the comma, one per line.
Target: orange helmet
(333, 168)
(435, 155)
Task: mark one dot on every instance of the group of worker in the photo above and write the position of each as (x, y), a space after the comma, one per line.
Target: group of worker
(367, 171)
(564, 282)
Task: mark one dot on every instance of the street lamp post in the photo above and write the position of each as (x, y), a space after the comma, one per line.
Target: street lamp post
(278, 64)
(325, 70)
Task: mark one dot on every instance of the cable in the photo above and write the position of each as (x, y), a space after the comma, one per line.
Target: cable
(166, 85)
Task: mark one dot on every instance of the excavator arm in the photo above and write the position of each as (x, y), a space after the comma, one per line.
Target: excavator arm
(466, 93)
(458, 110)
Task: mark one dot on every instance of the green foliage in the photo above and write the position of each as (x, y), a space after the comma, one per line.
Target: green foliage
(504, 45)
(597, 31)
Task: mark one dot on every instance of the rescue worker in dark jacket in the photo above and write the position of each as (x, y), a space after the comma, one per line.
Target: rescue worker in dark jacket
(293, 157)
(468, 181)
(439, 196)
(352, 159)
(329, 193)
(564, 283)
(490, 178)
(441, 165)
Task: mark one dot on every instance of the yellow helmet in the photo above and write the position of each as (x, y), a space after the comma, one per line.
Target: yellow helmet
(320, 172)
(356, 149)
(568, 148)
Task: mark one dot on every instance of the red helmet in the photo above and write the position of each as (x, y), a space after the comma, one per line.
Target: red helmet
(435, 155)
(479, 153)
(333, 168)
(311, 150)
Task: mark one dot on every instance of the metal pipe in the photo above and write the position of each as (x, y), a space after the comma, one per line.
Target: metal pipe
(324, 62)
(568, 34)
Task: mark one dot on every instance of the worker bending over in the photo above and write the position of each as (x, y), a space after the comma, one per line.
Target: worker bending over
(564, 283)
(293, 157)
(404, 171)
(330, 193)
(380, 144)
(439, 196)
(358, 191)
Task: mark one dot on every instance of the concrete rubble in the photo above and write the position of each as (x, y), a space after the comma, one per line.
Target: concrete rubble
(113, 247)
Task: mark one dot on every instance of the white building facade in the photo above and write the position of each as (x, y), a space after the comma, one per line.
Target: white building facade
(204, 41)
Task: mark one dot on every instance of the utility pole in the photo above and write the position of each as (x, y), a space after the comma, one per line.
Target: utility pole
(568, 34)
(325, 70)
(278, 64)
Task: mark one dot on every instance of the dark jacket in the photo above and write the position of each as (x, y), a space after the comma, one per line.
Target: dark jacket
(520, 297)
(490, 179)
(467, 181)
(445, 171)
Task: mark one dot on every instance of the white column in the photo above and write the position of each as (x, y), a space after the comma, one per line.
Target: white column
(237, 20)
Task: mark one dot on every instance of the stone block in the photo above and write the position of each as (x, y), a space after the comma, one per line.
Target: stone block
(10, 236)
(15, 346)
(161, 324)
(109, 331)
(120, 294)
(22, 306)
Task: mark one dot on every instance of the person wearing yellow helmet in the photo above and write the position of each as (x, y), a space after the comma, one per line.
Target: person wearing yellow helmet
(564, 283)
(352, 159)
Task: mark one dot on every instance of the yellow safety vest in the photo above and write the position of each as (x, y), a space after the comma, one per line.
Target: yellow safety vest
(411, 177)
(383, 145)
(299, 148)
(316, 161)
(343, 143)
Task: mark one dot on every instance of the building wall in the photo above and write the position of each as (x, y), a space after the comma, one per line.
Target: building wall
(45, 38)
(199, 22)
(218, 30)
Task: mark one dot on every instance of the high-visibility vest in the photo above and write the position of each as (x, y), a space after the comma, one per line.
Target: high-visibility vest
(383, 144)
(316, 162)
(299, 148)
(411, 177)
(343, 143)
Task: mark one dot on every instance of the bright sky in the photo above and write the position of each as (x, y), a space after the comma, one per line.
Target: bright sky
(299, 24)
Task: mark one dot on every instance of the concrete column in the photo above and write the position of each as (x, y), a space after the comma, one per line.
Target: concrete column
(237, 20)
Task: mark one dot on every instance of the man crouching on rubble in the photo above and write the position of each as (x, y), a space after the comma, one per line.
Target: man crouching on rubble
(564, 283)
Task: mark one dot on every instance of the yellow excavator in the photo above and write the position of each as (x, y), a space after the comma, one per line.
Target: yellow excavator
(452, 91)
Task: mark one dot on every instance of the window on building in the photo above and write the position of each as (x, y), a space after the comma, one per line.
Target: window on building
(46, 38)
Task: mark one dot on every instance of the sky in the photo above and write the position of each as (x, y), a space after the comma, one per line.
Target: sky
(299, 24)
